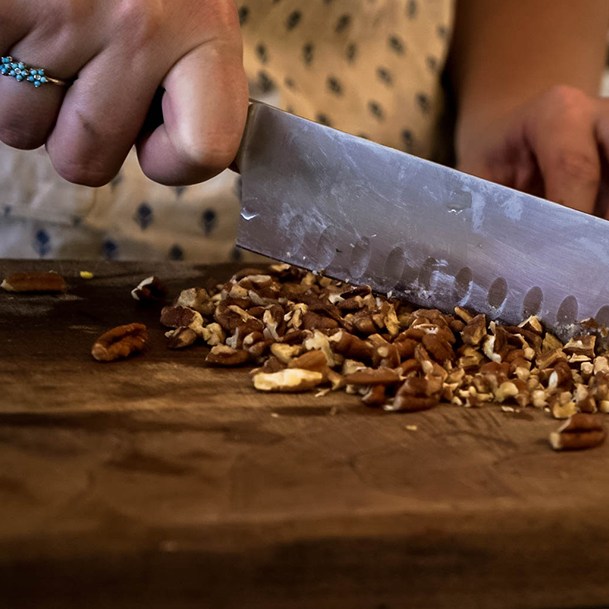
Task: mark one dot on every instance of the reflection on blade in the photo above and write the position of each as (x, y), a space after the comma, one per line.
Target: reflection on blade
(363, 213)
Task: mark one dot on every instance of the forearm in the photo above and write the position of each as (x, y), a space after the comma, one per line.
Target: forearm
(507, 51)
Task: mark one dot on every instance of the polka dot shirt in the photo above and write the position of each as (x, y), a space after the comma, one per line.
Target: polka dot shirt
(371, 68)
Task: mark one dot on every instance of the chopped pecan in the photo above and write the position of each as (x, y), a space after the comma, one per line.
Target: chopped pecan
(376, 395)
(311, 360)
(228, 317)
(351, 346)
(364, 324)
(221, 355)
(373, 376)
(180, 317)
(405, 346)
(315, 321)
(284, 352)
(198, 299)
(120, 342)
(388, 356)
(410, 366)
(560, 376)
(179, 338)
(463, 314)
(581, 345)
(550, 357)
(533, 324)
(411, 403)
(289, 380)
(561, 404)
(440, 349)
(150, 291)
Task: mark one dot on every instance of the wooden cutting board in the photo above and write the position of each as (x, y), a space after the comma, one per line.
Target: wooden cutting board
(160, 482)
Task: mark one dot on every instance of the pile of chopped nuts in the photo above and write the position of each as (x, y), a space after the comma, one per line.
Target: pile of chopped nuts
(300, 332)
(305, 332)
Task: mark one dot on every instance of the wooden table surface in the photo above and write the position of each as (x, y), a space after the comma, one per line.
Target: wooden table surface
(160, 482)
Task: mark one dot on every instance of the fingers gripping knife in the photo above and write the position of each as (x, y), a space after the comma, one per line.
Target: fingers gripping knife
(360, 212)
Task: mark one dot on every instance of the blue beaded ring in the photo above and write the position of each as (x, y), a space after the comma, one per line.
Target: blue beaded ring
(22, 72)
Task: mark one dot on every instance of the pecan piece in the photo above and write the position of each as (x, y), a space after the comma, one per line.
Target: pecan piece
(120, 342)
(290, 380)
(352, 346)
(581, 345)
(149, 291)
(179, 338)
(474, 330)
(411, 403)
(315, 360)
(578, 432)
(34, 282)
(440, 349)
(180, 317)
(315, 321)
(222, 355)
(416, 394)
(375, 396)
(373, 376)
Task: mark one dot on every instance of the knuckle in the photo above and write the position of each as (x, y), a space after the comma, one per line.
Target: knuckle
(579, 166)
(226, 17)
(216, 22)
(566, 99)
(72, 14)
(139, 22)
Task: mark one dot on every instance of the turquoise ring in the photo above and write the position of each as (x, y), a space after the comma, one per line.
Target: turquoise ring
(23, 73)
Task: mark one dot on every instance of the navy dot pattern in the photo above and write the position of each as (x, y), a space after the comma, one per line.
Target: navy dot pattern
(42, 243)
(362, 66)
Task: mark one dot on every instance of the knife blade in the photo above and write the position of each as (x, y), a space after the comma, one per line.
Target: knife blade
(363, 213)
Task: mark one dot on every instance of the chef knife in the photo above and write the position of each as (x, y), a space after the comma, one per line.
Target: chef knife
(360, 212)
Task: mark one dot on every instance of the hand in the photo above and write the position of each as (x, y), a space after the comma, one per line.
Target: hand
(122, 57)
(555, 146)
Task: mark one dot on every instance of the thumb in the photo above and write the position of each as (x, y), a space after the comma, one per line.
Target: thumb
(204, 108)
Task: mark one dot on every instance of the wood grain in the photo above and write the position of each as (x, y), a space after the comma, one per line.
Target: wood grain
(159, 482)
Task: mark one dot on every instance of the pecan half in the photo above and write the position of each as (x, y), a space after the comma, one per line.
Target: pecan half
(578, 432)
(120, 342)
(34, 282)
